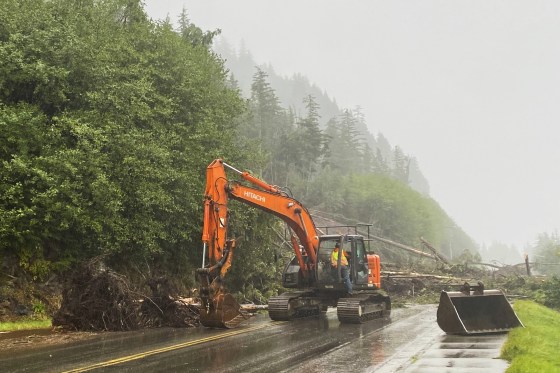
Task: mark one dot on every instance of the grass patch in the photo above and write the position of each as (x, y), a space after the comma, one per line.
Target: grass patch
(535, 347)
(24, 325)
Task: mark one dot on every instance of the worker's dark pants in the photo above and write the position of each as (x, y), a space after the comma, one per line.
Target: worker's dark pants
(345, 274)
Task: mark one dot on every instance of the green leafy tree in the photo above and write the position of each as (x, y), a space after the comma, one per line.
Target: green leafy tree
(108, 122)
(259, 255)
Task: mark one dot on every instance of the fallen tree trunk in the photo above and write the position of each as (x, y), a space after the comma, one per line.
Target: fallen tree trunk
(434, 251)
(404, 247)
(414, 275)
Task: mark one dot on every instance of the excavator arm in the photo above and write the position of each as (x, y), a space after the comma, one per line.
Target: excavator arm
(291, 212)
(219, 309)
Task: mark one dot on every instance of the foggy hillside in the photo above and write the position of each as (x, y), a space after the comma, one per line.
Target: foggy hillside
(291, 92)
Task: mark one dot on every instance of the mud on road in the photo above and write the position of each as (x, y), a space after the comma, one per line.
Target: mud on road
(22, 340)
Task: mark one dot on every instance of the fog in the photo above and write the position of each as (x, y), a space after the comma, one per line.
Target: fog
(471, 89)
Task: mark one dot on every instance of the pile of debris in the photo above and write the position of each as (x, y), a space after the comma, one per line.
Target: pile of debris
(96, 298)
(166, 308)
(407, 283)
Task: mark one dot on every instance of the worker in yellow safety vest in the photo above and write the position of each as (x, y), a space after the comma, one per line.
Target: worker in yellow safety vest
(344, 270)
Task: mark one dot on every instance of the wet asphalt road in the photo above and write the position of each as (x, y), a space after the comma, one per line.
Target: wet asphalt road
(401, 343)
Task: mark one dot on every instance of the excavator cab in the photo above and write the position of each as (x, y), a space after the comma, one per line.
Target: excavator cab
(473, 310)
(355, 252)
(328, 275)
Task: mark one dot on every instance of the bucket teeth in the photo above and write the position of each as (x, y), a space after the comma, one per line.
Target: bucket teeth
(222, 312)
(233, 323)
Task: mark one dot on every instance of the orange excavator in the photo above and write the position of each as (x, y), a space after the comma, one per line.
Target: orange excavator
(316, 281)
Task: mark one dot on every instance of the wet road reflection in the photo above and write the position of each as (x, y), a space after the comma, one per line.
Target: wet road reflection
(312, 345)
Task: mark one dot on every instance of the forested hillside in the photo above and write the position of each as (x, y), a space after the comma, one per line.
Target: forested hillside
(292, 93)
(108, 121)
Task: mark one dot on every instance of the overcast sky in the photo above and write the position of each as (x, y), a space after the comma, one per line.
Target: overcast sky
(469, 88)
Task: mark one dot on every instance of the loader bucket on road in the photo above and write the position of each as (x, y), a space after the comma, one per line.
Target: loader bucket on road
(223, 312)
(475, 312)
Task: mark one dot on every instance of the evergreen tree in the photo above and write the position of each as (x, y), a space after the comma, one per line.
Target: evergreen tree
(265, 108)
(546, 253)
(401, 164)
(416, 179)
(346, 146)
(194, 34)
(503, 254)
(268, 123)
(312, 140)
(380, 165)
(385, 150)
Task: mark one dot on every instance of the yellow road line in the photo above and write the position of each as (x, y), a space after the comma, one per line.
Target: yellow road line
(142, 355)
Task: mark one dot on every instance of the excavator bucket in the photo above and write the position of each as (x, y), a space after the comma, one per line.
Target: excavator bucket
(218, 308)
(474, 310)
(222, 311)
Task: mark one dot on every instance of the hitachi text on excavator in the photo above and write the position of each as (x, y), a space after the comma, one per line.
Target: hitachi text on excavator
(316, 282)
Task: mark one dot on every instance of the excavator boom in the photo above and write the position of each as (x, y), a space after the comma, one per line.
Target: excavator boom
(218, 308)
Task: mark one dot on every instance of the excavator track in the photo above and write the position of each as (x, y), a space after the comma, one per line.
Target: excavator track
(292, 305)
(363, 307)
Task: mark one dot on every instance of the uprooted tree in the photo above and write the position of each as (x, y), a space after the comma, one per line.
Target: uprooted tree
(98, 299)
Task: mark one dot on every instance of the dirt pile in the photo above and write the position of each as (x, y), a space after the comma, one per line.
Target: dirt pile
(96, 298)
